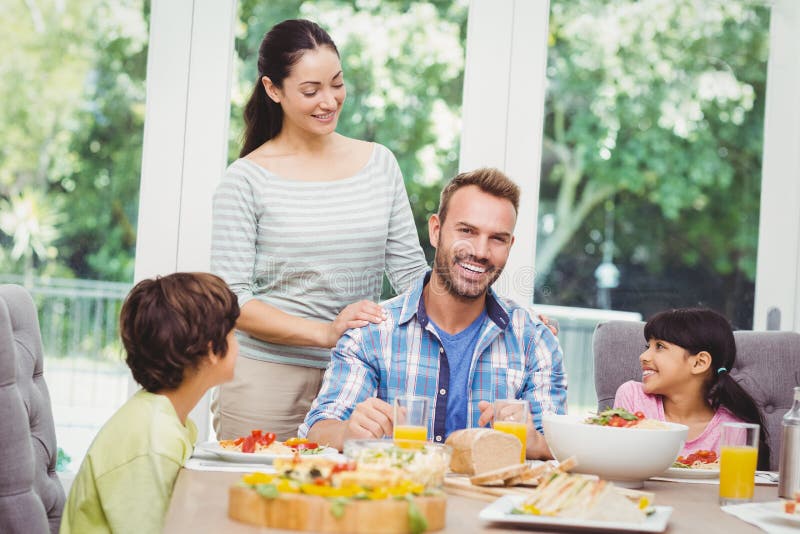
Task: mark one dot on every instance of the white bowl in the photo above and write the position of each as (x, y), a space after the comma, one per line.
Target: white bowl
(626, 456)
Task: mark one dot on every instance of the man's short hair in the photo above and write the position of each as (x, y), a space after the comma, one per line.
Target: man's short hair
(168, 323)
(488, 179)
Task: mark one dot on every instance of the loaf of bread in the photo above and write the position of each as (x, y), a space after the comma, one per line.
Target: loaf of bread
(477, 450)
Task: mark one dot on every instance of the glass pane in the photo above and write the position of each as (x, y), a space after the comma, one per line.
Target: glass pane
(71, 136)
(651, 164)
(404, 82)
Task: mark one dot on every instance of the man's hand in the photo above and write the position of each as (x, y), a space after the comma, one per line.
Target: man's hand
(536, 447)
(370, 419)
(487, 413)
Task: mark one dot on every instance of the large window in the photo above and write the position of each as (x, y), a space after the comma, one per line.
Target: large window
(651, 162)
(73, 103)
(71, 135)
(651, 158)
(656, 145)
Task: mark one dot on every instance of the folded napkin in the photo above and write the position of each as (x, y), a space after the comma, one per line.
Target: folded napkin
(768, 516)
(763, 478)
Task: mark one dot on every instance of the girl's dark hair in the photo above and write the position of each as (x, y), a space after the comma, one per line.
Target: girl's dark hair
(167, 324)
(702, 329)
(282, 47)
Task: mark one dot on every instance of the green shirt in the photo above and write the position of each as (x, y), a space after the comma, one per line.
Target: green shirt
(125, 482)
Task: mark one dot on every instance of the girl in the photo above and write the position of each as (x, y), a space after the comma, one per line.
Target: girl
(686, 379)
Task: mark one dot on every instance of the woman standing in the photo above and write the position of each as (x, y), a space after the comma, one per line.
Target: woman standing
(305, 223)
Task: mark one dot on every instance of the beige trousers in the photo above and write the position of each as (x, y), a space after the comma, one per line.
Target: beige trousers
(273, 397)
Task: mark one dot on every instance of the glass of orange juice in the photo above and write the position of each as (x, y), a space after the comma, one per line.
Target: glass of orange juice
(410, 418)
(511, 416)
(737, 464)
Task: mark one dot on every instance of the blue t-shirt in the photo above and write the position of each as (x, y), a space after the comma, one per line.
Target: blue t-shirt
(459, 349)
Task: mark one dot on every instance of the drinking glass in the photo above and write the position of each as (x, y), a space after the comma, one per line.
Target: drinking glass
(411, 418)
(511, 417)
(737, 464)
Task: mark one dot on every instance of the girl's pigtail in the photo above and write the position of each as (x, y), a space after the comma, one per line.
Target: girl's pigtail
(728, 393)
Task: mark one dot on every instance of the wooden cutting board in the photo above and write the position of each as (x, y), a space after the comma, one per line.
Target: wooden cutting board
(311, 513)
(458, 485)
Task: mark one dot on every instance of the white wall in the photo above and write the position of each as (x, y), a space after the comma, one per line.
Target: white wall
(778, 278)
(189, 68)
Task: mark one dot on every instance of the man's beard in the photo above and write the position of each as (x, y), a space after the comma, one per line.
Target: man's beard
(465, 291)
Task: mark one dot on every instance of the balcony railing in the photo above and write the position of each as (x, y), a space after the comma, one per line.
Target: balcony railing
(576, 327)
(88, 380)
(83, 361)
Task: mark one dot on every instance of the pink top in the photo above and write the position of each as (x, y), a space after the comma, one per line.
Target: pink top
(632, 397)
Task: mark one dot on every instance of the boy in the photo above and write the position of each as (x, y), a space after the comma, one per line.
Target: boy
(178, 336)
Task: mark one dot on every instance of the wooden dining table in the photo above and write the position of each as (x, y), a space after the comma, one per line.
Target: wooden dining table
(200, 501)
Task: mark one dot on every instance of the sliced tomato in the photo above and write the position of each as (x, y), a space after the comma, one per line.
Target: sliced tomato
(266, 439)
(347, 466)
(238, 441)
(701, 456)
(307, 446)
(639, 415)
(617, 421)
(706, 456)
(249, 444)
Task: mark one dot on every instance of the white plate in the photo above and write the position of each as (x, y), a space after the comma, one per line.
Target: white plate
(688, 472)
(500, 511)
(776, 511)
(253, 457)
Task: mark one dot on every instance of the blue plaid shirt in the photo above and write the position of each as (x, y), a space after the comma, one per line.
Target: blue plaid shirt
(516, 357)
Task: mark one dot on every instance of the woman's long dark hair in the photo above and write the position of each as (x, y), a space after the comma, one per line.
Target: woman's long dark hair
(281, 48)
(701, 329)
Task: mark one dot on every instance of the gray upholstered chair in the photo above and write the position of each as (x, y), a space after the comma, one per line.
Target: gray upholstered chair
(767, 366)
(31, 496)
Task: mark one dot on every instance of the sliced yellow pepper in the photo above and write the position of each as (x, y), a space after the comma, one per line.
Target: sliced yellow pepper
(331, 491)
(531, 509)
(286, 486)
(253, 479)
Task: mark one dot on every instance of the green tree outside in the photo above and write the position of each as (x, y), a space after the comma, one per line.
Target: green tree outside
(655, 107)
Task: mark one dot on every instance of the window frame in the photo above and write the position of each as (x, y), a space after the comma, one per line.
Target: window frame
(185, 152)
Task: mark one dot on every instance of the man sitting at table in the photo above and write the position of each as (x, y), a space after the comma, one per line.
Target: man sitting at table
(450, 338)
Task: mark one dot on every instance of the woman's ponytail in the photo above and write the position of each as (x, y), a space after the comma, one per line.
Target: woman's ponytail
(262, 120)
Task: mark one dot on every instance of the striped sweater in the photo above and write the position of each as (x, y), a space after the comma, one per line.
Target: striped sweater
(310, 248)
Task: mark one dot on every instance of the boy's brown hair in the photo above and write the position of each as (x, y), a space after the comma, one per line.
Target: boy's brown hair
(488, 179)
(168, 323)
